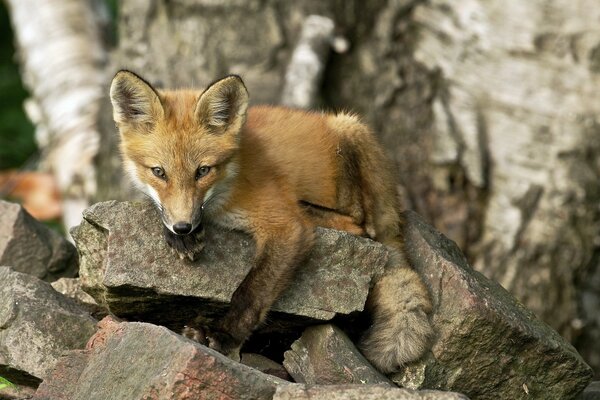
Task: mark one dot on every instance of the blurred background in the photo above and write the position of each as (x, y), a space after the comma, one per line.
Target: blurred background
(489, 109)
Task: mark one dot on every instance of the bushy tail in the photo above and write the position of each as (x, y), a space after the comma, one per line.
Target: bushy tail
(400, 331)
(399, 302)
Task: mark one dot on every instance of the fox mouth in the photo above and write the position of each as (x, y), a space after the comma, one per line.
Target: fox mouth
(197, 226)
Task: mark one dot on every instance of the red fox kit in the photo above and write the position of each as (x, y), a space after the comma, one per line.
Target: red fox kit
(276, 174)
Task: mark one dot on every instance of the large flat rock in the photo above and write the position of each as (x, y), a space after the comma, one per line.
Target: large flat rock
(360, 392)
(37, 324)
(487, 345)
(127, 266)
(324, 355)
(135, 360)
(29, 246)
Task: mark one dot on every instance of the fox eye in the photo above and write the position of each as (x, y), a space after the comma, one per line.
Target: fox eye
(159, 172)
(202, 171)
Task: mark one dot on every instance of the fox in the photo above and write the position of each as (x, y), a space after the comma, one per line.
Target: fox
(205, 157)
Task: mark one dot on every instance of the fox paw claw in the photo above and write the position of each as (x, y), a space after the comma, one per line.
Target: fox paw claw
(218, 341)
(195, 334)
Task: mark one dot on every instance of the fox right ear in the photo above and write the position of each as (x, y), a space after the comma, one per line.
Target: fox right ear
(222, 106)
(134, 101)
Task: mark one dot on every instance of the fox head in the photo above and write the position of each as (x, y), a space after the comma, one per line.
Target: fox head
(179, 146)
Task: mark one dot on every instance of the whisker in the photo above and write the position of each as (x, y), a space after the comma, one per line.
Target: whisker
(157, 204)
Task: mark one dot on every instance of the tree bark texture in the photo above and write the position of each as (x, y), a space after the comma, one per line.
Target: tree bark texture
(61, 52)
(488, 108)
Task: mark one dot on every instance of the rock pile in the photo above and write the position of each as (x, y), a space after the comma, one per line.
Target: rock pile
(487, 345)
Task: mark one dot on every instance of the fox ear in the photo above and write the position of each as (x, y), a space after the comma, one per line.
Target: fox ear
(134, 100)
(222, 106)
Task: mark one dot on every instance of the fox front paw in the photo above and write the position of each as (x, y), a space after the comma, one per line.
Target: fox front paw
(195, 334)
(216, 340)
(224, 343)
(186, 246)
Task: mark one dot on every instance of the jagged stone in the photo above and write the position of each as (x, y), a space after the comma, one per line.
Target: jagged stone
(592, 392)
(360, 392)
(37, 324)
(487, 344)
(17, 392)
(29, 246)
(126, 265)
(324, 355)
(265, 365)
(71, 287)
(135, 360)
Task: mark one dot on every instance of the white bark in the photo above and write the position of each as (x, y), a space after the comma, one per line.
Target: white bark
(62, 56)
(304, 73)
(519, 113)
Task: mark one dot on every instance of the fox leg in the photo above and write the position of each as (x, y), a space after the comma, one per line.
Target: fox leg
(333, 220)
(280, 248)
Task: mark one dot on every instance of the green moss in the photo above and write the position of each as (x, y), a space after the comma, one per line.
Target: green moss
(17, 142)
(4, 383)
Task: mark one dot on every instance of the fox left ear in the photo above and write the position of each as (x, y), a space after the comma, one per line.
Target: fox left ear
(134, 100)
(223, 105)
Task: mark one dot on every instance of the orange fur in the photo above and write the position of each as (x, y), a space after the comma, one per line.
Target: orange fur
(275, 173)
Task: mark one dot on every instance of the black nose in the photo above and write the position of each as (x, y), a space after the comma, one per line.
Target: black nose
(182, 228)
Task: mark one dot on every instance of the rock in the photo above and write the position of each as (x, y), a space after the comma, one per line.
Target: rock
(324, 355)
(526, 214)
(487, 345)
(135, 360)
(37, 324)
(17, 392)
(265, 365)
(592, 392)
(29, 246)
(127, 266)
(71, 287)
(359, 392)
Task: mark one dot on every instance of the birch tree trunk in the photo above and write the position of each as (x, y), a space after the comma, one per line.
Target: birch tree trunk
(489, 109)
(517, 111)
(62, 58)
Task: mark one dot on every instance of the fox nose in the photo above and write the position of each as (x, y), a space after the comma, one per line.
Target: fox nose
(182, 228)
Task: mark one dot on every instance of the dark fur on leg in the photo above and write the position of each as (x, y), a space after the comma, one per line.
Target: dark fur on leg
(277, 258)
(187, 246)
(195, 334)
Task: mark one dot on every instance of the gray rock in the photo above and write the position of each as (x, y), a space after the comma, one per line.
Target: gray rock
(17, 392)
(37, 324)
(324, 355)
(71, 287)
(488, 345)
(359, 392)
(29, 246)
(265, 365)
(127, 266)
(134, 360)
(592, 392)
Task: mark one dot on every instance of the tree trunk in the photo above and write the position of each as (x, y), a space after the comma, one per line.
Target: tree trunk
(516, 111)
(488, 109)
(62, 58)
